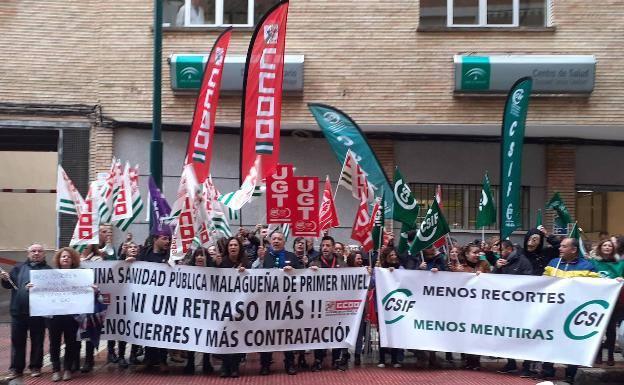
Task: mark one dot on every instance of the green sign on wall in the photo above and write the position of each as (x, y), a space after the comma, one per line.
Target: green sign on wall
(475, 72)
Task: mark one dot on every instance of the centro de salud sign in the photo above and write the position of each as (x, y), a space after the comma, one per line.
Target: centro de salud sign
(186, 72)
(551, 74)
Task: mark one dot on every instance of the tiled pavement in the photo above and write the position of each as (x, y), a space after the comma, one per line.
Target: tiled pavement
(368, 373)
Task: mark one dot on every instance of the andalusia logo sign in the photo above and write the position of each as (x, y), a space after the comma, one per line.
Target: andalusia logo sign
(475, 73)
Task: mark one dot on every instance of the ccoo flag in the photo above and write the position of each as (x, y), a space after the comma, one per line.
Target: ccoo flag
(199, 148)
(405, 206)
(432, 228)
(487, 212)
(262, 94)
(512, 134)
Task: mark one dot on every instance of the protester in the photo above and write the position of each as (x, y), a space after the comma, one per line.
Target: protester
(64, 326)
(234, 258)
(569, 264)
(328, 260)
(356, 259)
(311, 252)
(260, 254)
(455, 258)
(472, 263)
(279, 258)
(389, 259)
(198, 257)
(22, 324)
(433, 260)
(512, 261)
(156, 251)
(299, 248)
(605, 263)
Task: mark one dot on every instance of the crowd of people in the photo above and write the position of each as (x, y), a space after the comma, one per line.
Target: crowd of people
(540, 254)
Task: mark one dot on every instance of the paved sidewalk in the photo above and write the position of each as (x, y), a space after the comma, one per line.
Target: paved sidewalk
(411, 373)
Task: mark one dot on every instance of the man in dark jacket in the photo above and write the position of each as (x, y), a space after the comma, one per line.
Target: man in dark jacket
(278, 258)
(513, 262)
(328, 260)
(21, 321)
(157, 252)
(534, 249)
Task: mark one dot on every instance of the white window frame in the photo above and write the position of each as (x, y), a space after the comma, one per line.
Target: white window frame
(218, 15)
(482, 16)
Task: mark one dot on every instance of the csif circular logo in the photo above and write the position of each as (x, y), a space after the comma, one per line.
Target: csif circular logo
(403, 195)
(518, 96)
(331, 117)
(396, 305)
(428, 227)
(586, 320)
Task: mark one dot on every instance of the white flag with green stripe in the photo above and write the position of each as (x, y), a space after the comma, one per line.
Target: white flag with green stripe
(137, 202)
(107, 191)
(68, 199)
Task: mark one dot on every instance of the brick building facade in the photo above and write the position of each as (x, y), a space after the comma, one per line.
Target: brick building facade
(87, 66)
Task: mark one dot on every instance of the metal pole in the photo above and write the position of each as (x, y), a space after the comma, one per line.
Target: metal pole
(156, 145)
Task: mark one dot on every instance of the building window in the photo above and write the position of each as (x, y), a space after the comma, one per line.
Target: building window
(460, 204)
(214, 13)
(484, 13)
(591, 208)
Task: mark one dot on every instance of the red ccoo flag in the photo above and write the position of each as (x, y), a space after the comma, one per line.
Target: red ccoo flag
(262, 94)
(363, 225)
(328, 217)
(199, 148)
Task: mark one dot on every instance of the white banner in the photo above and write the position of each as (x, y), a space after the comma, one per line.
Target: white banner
(523, 317)
(223, 311)
(61, 291)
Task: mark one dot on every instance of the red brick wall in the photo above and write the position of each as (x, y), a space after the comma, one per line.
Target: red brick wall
(560, 177)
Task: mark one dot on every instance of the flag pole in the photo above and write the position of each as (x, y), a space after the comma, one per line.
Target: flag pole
(341, 170)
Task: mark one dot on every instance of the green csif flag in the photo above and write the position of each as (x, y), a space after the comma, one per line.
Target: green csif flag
(487, 212)
(405, 209)
(512, 136)
(378, 225)
(576, 234)
(539, 220)
(432, 228)
(403, 242)
(343, 134)
(563, 215)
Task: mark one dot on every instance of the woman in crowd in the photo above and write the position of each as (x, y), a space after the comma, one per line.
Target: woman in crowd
(64, 326)
(605, 262)
(389, 259)
(473, 263)
(234, 258)
(91, 253)
(433, 260)
(200, 258)
(356, 259)
(299, 248)
(455, 258)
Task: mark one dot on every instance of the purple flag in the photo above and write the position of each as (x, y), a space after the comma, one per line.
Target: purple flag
(160, 209)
